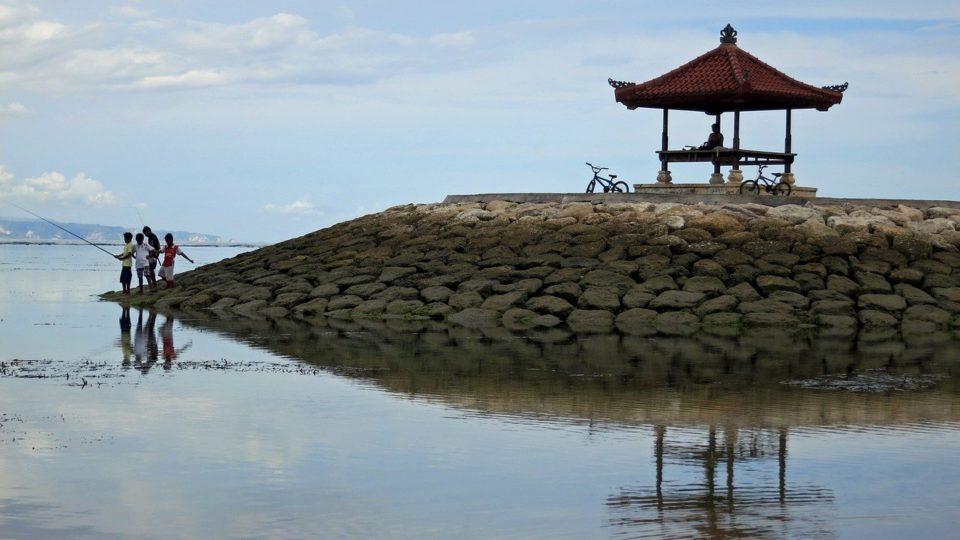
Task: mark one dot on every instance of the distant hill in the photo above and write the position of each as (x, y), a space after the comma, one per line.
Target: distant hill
(35, 231)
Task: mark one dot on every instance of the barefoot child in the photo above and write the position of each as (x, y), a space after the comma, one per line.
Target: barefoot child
(170, 252)
(126, 260)
(140, 252)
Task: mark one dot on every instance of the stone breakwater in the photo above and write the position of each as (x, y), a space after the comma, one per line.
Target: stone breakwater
(636, 267)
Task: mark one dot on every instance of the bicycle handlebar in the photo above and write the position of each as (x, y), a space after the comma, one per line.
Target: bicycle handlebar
(595, 168)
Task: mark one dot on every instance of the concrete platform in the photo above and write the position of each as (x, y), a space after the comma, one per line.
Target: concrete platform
(798, 192)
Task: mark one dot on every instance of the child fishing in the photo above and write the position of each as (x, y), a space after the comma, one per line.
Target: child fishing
(126, 261)
(170, 252)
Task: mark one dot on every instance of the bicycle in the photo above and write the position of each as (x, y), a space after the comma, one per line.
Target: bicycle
(773, 186)
(609, 184)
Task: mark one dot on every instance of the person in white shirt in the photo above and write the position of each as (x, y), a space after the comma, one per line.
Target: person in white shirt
(140, 253)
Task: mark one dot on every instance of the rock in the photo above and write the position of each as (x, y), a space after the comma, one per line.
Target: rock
(816, 268)
(913, 295)
(872, 283)
(677, 323)
(288, 300)
(365, 290)
(659, 284)
(787, 322)
(636, 320)
(222, 304)
(371, 307)
(732, 257)
(274, 312)
(502, 302)
(435, 310)
(765, 306)
(926, 312)
(249, 309)
(709, 267)
(480, 286)
(637, 297)
(842, 285)
(255, 293)
(790, 298)
(519, 319)
(770, 283)
(676, 300)
(606, 278)
(708, 285)
(716, 305)
(882, 302)
(546, 321)
(550, 304)
(590, 321)
(833, 308)
(317, 306)
(391, 273)
(809, 282)
(600, 298)
(462, 301)
(723, 319)
(394, 292)
(836, 321)
(706, 248)
(475, 318)
(950, 294)
(793, 214)
(906, 275)
(876, 319)
(744, 292)
(568, 291)
(403, 307)
(346, 301)
(436, 294)
(716, 223)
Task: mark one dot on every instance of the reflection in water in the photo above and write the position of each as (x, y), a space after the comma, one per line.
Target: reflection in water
(754, 508)
(125, 348)
(145, 350)
(723, 399)
(170, 353)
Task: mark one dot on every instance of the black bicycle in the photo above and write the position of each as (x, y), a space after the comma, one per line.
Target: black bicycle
(773, 186)
(610, 185)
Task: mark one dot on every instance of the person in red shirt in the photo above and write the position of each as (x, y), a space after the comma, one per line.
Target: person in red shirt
(170, 252)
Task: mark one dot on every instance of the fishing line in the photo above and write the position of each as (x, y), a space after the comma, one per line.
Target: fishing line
(61, 228)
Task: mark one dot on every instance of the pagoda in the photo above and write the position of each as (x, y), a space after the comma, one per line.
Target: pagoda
(726, 79)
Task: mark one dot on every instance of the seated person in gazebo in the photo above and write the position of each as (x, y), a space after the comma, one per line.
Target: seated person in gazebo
(714, 140)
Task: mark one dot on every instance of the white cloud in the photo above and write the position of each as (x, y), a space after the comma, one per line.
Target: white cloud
(56, 188)
(300, 207)
(5, 232)
(13, 109)
(192, 78)
(132, 12)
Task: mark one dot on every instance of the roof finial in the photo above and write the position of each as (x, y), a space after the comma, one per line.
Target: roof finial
(728, 35)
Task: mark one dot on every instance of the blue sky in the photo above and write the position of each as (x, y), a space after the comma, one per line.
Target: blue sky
(261, 121)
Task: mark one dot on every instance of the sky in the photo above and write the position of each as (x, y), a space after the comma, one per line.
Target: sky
(265, 120)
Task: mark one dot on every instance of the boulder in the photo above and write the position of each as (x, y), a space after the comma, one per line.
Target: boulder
(475, 318)
(708, 285)
(719, 304)
(670, 300)
(882, 302)
(770, 283)
(794, 214)
(677, 323)
(461, 301)
(590, 321)
(503, 302)
(876, 319)
(600, 298)
(552, 305)
(636, 320)
(716, 223)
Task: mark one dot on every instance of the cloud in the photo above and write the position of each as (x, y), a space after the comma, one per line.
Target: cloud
(299, 207)
(13, 109)
(192, 78)
(54, 187)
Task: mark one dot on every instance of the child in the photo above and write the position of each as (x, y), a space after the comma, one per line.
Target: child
(140, 252)
(170, 252)
(126, 260)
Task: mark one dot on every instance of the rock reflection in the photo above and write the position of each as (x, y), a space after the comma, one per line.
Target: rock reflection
(699, 380)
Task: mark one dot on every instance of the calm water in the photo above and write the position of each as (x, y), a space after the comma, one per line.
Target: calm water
(154, 427)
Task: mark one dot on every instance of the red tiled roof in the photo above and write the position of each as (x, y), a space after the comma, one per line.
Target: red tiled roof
(726, 79)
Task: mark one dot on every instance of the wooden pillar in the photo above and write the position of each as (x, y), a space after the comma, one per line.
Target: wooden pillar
(787, 145)
(782, 458)
(736, 129)
(716, 165)
(664, 142)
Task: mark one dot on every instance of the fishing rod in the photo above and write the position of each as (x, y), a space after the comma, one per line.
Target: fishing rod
(62, 228)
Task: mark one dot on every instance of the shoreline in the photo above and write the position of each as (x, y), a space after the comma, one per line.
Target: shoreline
(606, 263)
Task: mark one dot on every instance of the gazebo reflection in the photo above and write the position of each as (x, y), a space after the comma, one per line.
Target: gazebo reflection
(715, 506)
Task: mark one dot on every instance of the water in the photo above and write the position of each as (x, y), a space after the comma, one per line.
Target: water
(270, 429)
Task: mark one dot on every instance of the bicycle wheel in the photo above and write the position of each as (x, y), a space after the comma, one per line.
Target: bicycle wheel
(620, 187)
(781, 189)
(750, 187)
(591, 185)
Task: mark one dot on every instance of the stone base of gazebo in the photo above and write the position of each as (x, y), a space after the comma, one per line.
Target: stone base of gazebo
(714, 189)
